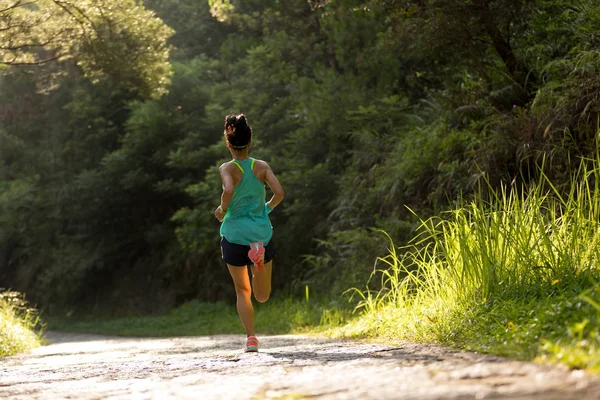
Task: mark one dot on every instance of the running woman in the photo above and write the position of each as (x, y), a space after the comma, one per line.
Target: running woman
(244, 218)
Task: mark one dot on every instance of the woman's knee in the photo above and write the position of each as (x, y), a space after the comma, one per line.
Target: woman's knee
(243, 291)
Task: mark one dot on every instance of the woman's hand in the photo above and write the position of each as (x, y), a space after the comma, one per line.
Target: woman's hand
(220, 214)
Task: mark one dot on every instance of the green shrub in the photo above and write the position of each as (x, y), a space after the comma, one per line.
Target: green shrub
(18, 324)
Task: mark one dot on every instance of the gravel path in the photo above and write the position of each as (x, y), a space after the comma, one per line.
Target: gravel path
(289, 367)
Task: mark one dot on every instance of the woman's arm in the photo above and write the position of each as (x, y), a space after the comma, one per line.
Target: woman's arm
(273, 182)
(227, 194)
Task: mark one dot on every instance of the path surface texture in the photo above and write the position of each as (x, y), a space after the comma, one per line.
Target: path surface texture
(287, 367)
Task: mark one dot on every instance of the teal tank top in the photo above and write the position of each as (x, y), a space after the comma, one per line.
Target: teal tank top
(247, 220)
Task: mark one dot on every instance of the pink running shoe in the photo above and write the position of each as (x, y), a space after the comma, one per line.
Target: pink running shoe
(251, 344)
(257, 254)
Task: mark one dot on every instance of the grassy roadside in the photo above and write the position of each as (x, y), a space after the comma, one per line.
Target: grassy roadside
(18, 324)
(562, 329)
(517, 276)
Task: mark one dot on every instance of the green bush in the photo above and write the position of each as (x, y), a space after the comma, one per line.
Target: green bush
(18, 324)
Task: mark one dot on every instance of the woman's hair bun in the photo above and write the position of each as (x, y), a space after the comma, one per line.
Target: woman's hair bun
(237, 131)
(230, 120)
(241, 122)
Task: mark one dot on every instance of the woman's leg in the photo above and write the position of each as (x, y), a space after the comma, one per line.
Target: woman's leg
(261, 282)
(243, 292)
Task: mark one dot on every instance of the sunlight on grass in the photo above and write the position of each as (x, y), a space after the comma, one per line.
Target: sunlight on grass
(516, 275)
(17, 324)
(277, 316)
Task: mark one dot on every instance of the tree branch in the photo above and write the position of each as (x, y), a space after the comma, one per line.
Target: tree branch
(500, 43)
(62, 5)
(9, 27)
(19, 3)
(36, 22)
(22, 63)
(26, 45)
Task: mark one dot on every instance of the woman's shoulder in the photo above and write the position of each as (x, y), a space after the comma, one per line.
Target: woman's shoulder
(224, 166)
(228, 167)
(261, 163)
(260, 169)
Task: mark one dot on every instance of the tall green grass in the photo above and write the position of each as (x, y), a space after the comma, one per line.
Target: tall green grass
(515, 275)
(18, 324)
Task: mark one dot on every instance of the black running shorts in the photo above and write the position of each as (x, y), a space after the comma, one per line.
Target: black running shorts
(237, 254)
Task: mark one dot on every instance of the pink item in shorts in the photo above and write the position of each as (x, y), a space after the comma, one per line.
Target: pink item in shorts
(257, 254)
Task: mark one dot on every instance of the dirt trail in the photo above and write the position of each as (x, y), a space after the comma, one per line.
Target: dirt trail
(288, 367)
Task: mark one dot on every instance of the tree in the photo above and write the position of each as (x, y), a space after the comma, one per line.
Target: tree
(117, 39)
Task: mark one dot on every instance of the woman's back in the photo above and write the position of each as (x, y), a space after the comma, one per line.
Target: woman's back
(247, 219)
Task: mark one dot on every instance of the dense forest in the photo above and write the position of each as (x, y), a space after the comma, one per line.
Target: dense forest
(371, 113)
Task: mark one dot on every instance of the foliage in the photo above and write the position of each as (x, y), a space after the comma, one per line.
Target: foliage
(18, 324)
(110, 39)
